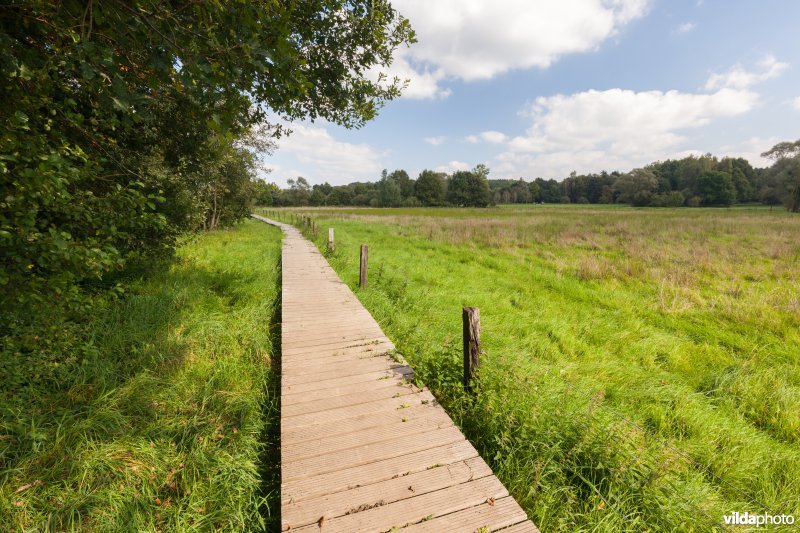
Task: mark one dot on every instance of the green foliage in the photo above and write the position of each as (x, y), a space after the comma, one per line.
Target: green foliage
(782, 180)
(469, 188)
(389, 194)
(716, 188)
(636, 187)
(668, 199)
(430, 188)
(156, 409)
(126, 124)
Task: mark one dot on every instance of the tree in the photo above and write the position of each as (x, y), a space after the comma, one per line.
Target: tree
(782, 180)
(636, 187)
(549, 191)
(430, 188)
(405, 183)
(317, 197)
(265, 194)
(299, 191)
(469, 188)
(111, 117)
(716, 188)
(389, 193)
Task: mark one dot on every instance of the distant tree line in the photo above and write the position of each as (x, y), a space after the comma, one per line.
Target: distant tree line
(463, 188)
(693, 181)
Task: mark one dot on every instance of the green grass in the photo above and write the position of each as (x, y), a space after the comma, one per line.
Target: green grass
(166, 415)
(641, 367)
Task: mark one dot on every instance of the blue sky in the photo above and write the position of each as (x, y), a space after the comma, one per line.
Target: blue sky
(543, 87)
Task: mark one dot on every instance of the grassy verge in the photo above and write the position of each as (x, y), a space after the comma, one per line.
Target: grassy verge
(166, 415)
(641, 369)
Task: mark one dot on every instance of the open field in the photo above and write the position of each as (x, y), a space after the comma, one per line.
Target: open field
(641, 367)
(164, 413)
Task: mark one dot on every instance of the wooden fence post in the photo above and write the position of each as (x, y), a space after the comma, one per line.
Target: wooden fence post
(331, 245)
(471, 317)
(362, 275)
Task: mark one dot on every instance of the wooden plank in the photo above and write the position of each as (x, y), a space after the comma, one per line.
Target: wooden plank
(400, 373)
(329, 445)
(368, 420)
(310, 353)
(369, 453)
(334, 401)
(418, 509)
(342, 347)
(392, 490)
(364, 366)
(321, 394)
(350, 411)
(522, 527)
(368, 474)
(504, 512)
(336, 369)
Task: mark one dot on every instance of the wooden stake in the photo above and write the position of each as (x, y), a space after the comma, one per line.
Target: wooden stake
(362, 277)
(471, 317)
(331, 245)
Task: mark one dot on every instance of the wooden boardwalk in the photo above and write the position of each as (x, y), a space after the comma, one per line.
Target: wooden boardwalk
(362, 447)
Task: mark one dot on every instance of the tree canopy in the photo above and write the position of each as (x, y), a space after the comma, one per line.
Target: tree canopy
(126, 123)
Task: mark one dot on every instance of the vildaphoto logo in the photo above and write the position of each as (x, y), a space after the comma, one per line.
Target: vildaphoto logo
(747, 519)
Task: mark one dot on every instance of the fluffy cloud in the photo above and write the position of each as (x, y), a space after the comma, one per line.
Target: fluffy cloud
(452, 166)
(751, 149)
(796, 103)
(491, 137)
(423, 81)
(322, 157)
(475, 39)
(435, 141)
(686, 27)
(613, 129)
(740, 78)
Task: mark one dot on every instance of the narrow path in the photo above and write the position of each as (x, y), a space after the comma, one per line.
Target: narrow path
(363, 448)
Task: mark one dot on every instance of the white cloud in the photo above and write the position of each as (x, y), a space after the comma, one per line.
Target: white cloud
(740, 78)
(615, 129)
(796, 103)
(452, 166)
(686, 27)
(491, 137)
(322, 157)
(750, 149)
(423, 81)
(476, 39)
(435, 141)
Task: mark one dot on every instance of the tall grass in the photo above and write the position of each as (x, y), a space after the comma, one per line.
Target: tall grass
(641, 367)
(168, 417)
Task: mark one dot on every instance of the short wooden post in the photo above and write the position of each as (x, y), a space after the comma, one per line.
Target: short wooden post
(362, 275)
(471, 317)
(331, 245)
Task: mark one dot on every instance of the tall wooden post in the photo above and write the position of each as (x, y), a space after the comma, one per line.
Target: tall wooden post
(362, 274)
(471, 317)
(331, 245)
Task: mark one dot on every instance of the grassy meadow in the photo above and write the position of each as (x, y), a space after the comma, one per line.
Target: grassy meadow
(164, 416)
(641, 367)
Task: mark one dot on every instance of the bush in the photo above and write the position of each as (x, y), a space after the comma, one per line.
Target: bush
(668, 199)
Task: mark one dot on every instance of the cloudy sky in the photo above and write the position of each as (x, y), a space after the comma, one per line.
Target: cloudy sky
(543, 87)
